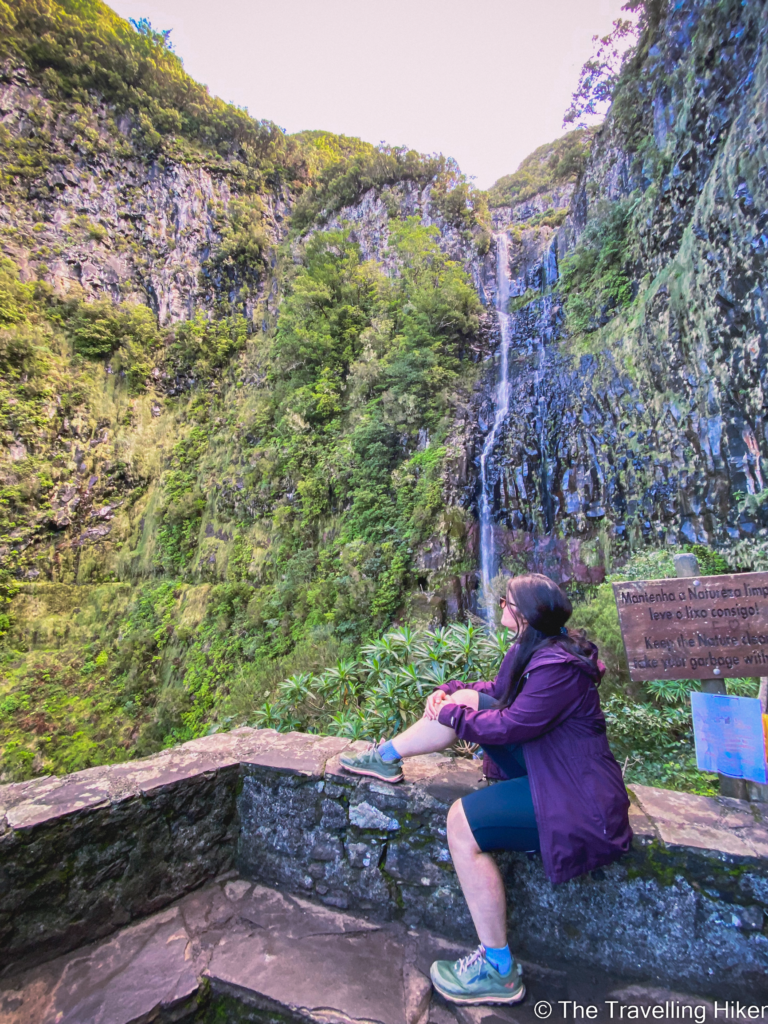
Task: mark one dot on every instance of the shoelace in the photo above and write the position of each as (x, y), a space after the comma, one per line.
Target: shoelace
(463, 965)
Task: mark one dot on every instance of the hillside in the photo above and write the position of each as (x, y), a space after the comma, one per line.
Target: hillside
(249, 381)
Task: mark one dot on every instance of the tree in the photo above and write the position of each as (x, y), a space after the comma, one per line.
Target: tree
(160, 36)
(625, 44)
(601, 72)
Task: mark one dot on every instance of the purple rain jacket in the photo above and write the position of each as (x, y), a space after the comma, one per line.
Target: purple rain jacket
(578, 792)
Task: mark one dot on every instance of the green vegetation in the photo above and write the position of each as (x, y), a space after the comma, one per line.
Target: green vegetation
(219, 520)
(347, 168)
(596, 277)
(246, 526)
(216, 606)
(556, 163)
(650, 725)
(383, 688)
(78, 48)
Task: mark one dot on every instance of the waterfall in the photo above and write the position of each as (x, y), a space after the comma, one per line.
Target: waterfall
(501, 405)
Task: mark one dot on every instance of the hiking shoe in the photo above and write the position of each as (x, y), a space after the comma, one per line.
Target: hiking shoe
(370, 763)
(474, 980)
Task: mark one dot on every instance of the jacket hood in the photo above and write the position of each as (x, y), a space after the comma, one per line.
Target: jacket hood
(556, 653)
(552, 654)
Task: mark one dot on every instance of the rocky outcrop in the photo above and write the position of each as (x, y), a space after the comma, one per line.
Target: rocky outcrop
(645, 427)
(115, 222)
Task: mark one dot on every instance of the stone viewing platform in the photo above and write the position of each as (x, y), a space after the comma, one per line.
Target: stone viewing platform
(245, 876)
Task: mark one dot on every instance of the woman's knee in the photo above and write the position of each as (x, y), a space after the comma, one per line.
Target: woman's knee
(459, 832)
(469, 697)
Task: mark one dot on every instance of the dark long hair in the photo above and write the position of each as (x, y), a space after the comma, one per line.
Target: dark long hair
(547, 610)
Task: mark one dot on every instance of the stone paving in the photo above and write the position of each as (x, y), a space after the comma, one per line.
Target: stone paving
(237, 951)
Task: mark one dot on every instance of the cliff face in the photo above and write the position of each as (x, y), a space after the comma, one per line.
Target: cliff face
(253, 389)
(638, 357)
(93, 212)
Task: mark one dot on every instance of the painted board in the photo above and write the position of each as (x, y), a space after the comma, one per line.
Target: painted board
(729, 737)
(697, 627)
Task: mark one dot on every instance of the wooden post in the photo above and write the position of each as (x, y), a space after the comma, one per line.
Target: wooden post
(685, 566)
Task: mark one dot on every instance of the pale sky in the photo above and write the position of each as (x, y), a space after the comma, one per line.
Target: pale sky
(485, 81)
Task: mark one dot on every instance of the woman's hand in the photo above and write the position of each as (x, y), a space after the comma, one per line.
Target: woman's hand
(467, 698)
(435, 701)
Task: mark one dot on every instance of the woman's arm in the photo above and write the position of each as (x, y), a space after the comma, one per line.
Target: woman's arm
(492, 686)
(550, 694)
(484, 686)
(436, 699)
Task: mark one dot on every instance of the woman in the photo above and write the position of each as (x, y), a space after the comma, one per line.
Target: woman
(540, 723)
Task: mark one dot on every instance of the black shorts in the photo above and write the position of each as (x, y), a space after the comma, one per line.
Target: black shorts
(501, 815)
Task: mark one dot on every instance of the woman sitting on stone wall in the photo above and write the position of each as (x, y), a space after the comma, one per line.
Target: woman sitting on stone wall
(540, 723)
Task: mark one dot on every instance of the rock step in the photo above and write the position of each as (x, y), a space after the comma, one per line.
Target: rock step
(238, 951)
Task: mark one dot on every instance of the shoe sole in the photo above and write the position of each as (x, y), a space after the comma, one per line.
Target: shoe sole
(475, 1000)
(373, 775)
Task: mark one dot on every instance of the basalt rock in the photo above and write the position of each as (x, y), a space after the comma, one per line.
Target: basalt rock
(647, 427)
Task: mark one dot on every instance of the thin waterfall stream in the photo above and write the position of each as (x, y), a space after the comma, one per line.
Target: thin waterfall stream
(501, 409)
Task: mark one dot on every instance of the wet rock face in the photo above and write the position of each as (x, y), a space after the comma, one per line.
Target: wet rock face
(117, 223)
(642, 429)
(647, 430)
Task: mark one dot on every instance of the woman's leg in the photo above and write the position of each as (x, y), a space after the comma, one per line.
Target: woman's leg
(383, 761)
(423, 737)
(480, 879)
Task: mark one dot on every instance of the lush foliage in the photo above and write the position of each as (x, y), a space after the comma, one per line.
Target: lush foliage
(650, 723)
(286, 514)
(347, 168)
(596, 277)
(383, 689)
(654, 745)
(365, 370)
(81, 47)
(555, 163)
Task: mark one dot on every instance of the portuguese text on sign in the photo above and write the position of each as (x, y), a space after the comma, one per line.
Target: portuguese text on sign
(695, 627)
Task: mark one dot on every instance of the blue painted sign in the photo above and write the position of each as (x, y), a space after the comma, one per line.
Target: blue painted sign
(729, 737)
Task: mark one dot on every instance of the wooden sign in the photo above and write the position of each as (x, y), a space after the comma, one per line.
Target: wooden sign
(697, 627)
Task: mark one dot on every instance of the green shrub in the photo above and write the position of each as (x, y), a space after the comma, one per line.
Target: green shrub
(711, 563)
(654, 745)
(596, 277)
(383, 689)
(555, 163)
(599, 615)
(201, 347)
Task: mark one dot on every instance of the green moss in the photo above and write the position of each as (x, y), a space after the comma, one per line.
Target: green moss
(521, 301)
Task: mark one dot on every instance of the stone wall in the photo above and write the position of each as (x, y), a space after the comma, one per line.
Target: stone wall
(81, 856)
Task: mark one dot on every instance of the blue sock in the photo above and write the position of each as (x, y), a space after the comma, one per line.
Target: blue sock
(500, 958)
(387, 752)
